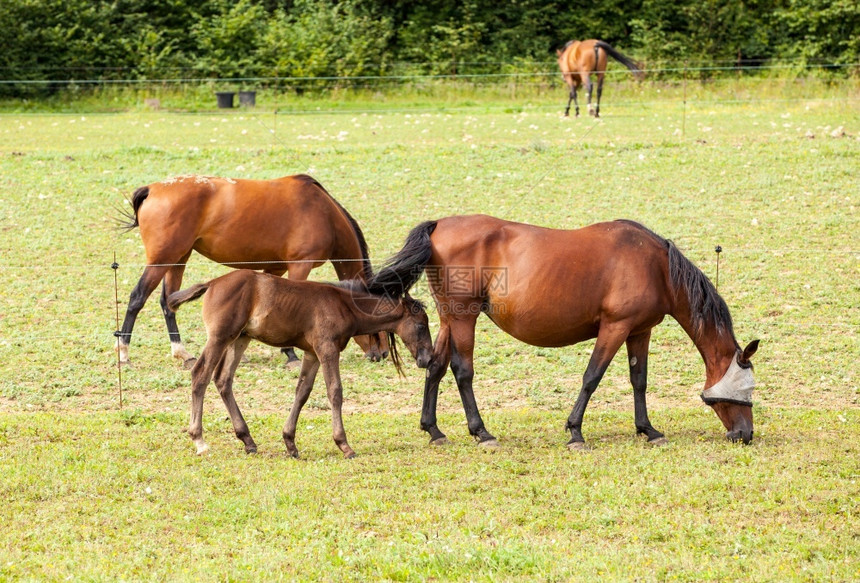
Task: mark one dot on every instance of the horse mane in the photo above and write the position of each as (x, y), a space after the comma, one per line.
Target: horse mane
(128, 218)
(400, 271)
(706, 304)
(359, 234)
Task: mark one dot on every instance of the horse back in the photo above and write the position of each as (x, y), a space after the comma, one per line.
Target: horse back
(233, 220)
(551, 287)
(579, 57)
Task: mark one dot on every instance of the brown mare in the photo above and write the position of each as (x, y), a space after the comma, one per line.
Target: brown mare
(289, 225)
(611, 281)
(579, 60)
(319, 318)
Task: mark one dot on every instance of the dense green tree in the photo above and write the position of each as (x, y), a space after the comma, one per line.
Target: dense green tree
(57, 40)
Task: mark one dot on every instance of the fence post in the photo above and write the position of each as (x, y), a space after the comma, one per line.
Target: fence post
(684, 113)
(115, 267)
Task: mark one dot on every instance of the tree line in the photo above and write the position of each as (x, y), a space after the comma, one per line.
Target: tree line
(166, 39)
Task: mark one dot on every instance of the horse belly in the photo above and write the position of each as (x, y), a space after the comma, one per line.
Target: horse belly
(541, 325)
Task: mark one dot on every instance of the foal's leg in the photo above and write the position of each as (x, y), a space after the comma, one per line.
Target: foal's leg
(152, 275)
(201, 374)
(224, 374)
(330, 361)
(435, 373)
(172, 283)
(637, 358)
(462, 365)
(310, 366)
(609, 340)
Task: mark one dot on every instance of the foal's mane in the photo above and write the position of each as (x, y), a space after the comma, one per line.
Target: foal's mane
(706, 304)
(362, 242)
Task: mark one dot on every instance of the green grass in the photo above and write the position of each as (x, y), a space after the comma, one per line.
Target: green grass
(772, 180)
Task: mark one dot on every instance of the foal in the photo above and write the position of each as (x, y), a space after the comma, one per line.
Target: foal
(319, 318)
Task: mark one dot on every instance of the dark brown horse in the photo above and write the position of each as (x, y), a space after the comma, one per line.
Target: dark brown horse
(546, 287)
(579, 60)
(289, 225)
(319, 318)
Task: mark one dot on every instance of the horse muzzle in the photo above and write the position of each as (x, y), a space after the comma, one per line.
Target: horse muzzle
(744, 434)
(423, 358)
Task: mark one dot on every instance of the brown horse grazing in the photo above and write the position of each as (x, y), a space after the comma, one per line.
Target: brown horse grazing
(289, 225)
(611, 281)
(319, 318)
(579, 60)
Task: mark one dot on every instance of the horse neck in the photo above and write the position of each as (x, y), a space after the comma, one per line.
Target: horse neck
(374, 314)
(716, 344)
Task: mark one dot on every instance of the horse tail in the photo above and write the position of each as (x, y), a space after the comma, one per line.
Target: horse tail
(176, 299)
(618, 56)
(359, 234)
(706, 304)
(128, 219)
(400, 271)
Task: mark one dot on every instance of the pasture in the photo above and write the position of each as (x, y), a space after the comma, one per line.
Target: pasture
(94, 491)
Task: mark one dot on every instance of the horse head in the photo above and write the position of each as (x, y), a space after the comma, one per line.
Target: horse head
(731, 396)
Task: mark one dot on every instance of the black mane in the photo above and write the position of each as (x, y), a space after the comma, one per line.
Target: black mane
(706, 304)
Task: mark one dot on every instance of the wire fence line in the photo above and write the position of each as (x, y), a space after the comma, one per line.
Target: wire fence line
(358, 79)
(136, 264)
(88, 267)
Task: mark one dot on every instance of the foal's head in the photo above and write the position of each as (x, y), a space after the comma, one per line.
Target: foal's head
(413, 328)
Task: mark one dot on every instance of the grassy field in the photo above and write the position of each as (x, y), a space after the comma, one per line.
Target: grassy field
(95, 491)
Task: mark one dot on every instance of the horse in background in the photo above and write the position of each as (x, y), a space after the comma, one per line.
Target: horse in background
(579, 60)
(287, 225)
(611, 281)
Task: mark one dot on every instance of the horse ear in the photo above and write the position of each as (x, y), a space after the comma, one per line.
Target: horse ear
(749, 351)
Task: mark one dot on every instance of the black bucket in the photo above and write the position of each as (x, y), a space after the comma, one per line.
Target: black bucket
(225, 99)
(248, 98)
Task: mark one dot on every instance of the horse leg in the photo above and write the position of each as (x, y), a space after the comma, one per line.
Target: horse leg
(609, 340)
(462, 365)
(299, 272)
(599, 93)
(310, 366)
(330, 362)
(224, 374)
(637, 358)
(172, 283)
(152, 274)
(589, 86)
(435, 372)
(201, 374)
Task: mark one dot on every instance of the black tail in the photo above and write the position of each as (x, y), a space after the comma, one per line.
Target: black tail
(176, 299)
(404, 268)
(626, 61)
(128, 220)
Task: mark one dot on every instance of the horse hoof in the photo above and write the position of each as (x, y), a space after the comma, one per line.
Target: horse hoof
(439, 441)
(349, 455)
(293, 454)
(202, 448)
(189, 363)
(489, 444)
(293, 364)
(577, 446)
(251, 449)
(658, 441)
